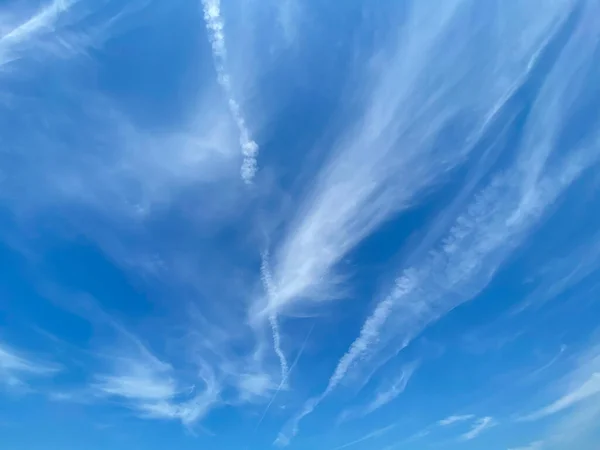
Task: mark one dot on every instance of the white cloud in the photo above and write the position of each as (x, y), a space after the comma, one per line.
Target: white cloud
(255, 385)
(455, 419)
(16, 368)
(374, 434)
(478, 240)
(56, 30)
(389, 391)
(588, 389)
(562, 274)
(478, 427)
(270, 291)
(537, 445)
(20, 35)
(390, 156)
(151, 387)
(216, 28)
(139, 380)
(581, 384)
(575, 411)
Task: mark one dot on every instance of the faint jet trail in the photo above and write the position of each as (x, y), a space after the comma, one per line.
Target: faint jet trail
(215, 27)
(284, 381)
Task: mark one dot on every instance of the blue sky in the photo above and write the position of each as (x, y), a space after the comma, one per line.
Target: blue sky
(250, 224)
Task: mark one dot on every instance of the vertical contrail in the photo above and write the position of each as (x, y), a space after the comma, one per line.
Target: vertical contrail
(214, 25)
(267, 280)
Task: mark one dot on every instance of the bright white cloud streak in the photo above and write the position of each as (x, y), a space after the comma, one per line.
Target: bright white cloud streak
(215, 27)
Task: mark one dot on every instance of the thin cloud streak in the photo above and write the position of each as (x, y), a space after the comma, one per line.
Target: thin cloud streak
(388, 394)
(372, 435)
(270, 290)
(455, 419)
(479, 427)
(44, 19)
(215, 27)
(364, 182)
(583, 385)
(590, 388)
(150, 386)
(491, 226)
(391, 156)
(537, 445)
(15, 367)
(288, 374)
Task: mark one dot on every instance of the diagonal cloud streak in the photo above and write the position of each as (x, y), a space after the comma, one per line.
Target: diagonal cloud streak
(45, 19)
(479, 426)
(14, 367)
(490, 227)
(284, 381)
(391, 155)
(215, 27)
(267, 280)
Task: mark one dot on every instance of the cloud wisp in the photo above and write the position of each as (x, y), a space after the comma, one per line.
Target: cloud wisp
(573, 415)
(537, 445)
(270, 290)
(455, 142)
(481, 237)
(583, 385)
(389, 391)
(451, 420)
(16, 368)
(478, 427)
(152, 388)
(588, 389)
(26, 32)
(287, 375)
(372, 435)
(216, 29)
(390, 156)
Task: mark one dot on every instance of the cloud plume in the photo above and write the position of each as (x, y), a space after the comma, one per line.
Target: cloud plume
(216, 29)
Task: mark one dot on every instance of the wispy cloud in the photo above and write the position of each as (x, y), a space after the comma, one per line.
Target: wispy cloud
(287, 375)
(537, 445)
(216, 28)
(16, 368)
(575, 411)
(478, 427)
(389, 157)
(583, 384)
(270, 291)
(562, 274)
(372, 435)
(478, 240)
(390, 391)
(455, 419)
(58, 28)
(22, 34)
(150, 386)
(588, 389)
